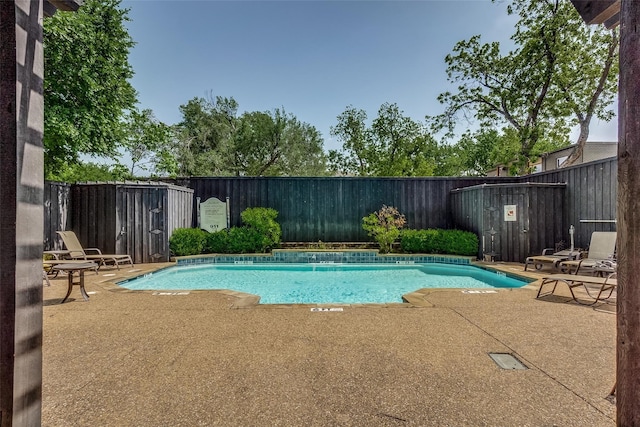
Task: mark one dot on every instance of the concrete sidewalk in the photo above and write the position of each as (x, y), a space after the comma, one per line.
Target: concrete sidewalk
(170, 359)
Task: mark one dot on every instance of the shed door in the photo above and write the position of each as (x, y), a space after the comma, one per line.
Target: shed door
(505, 225)
(142, 223)
(515, 219)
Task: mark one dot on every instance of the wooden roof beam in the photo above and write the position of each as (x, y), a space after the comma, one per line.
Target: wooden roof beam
(51, 6)
(605, 12)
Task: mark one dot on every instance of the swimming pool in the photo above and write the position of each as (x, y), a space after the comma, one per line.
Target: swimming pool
(323, 283)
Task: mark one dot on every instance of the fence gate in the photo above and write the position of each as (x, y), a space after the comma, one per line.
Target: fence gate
(157, 244)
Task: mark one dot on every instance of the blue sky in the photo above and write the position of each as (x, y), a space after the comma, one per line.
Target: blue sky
(312, 58)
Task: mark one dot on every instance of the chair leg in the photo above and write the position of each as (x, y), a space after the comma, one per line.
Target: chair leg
(46, 278)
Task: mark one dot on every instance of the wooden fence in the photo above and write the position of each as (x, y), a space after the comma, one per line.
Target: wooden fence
(590, 197)
(57, 206)
(513, 220)
(122, 218)
(331, 209)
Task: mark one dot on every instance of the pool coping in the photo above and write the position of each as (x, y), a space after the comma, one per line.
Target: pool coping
(416, 298)
(324, 256)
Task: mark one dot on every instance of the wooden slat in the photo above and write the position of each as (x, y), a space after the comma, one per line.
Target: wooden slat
(599, 11)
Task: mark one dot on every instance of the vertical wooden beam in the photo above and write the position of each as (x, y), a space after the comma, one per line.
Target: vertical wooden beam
(628, 322)
(21, 211)
(8, 139)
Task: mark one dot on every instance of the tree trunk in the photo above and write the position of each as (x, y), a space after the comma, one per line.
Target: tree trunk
(576, 154)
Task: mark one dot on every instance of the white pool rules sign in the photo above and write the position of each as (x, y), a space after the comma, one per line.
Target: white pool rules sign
(213, 214)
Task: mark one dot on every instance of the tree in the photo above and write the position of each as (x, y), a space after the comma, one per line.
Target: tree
(278, 144)
(482, 150)
(537, 89)
(394, 145)
(214, 140)
(86, 87)
(204, 137)
(84, 172)
(148, 143)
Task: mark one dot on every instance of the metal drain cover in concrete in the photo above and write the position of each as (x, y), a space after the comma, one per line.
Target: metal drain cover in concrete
(506, 361)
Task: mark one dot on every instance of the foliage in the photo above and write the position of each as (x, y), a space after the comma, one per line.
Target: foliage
(86, 84)
(260, 233)
(216, 242)
(264, 221)
(82, 172)
(204, 136)
(484, 149)
(560, 74)
(187, 241)
(148, 143)
(214, 140)
(245, 240)
(437, 241)
(394, 145)
(277, 144)
(384, 226)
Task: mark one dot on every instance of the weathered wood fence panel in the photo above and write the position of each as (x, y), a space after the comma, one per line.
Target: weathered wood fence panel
(331, 209)
(57, 200)
(93, 219)
(590, 197)
(511, 220)
(146, 215)
(121, 218)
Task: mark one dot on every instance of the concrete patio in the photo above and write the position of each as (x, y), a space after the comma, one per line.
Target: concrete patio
(197, 359)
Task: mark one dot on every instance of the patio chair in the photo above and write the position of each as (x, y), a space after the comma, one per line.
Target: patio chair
(76, 251)
(601, 248)
(601, 284)
(549, 257)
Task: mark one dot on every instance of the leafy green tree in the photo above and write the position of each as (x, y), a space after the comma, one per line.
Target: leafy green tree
(149, 144)
(205, 136)
(482, 150)
(277, 144)
(83, 172)
(86, 85)
(559, 74)
(394, 145)
(214, 140)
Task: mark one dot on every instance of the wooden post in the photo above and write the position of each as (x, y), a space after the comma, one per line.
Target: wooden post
(21, 210)
(8, 213)
(628, 322)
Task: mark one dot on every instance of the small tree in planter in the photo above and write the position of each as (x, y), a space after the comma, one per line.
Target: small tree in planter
(384, 226)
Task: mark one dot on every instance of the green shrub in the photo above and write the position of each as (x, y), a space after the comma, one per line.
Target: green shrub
(217, 242)
(384, 226)
(187, 241)
(264, 221)
(244, 240)
(437, 241)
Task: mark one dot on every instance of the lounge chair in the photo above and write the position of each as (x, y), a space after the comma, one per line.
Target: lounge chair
(601, 284)
(601, 248)
(548, 257)
(76, 251)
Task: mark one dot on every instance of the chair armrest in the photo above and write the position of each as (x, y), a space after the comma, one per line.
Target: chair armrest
(547, 251)
(96, 250)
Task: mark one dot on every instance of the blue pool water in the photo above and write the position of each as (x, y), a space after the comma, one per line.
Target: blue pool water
(323, 283)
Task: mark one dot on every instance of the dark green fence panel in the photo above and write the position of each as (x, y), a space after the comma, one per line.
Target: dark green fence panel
(590, 198)
(57, 203)
(511, 234)
(331, 209)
